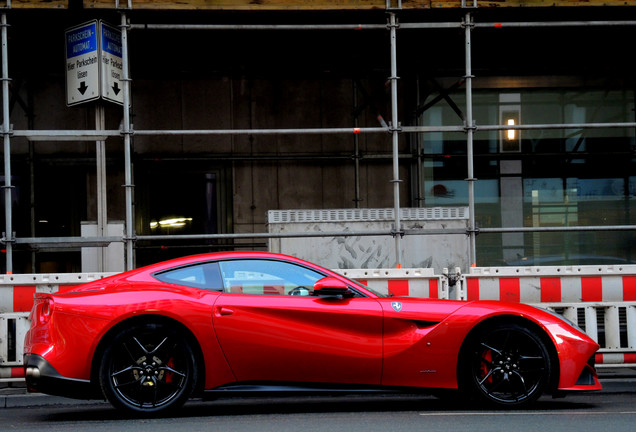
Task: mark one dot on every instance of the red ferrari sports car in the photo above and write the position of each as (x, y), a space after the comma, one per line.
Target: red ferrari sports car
(205, 325)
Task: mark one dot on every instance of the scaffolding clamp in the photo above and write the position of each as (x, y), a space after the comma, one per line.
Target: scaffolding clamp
(5, 240)
(471, 231)
(7, 132)
(123, 132)
(395, 233)
(395, 129)
(468, 22)
(472, 128)
(393, 22)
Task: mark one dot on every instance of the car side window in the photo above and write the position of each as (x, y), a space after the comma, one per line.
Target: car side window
(268, 277)
(202, 276)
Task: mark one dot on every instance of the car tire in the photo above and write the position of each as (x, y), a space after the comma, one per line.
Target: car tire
(507, 365)
(148, 368)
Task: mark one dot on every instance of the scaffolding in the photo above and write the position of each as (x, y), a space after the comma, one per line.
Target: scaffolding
(394, 129)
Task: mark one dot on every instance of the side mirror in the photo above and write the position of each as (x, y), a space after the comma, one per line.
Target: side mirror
(331, 287)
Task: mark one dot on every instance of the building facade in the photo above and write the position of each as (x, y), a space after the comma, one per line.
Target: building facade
(522, 112)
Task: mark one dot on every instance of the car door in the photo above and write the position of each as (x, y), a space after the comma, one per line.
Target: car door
(272, 328)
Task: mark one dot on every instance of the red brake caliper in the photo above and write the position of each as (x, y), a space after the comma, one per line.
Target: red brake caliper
(486, 361)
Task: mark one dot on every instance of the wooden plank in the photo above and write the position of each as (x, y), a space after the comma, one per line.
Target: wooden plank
(251, 4)
(344, 4)
(37, 4)
(439, 4)
(309, 4)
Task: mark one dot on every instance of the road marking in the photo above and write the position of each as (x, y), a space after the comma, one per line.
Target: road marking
(568, 413)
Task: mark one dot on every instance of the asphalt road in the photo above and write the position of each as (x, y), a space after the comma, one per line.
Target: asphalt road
(613, 409)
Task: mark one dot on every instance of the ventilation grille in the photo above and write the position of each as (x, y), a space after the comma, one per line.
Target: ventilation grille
(367, 215)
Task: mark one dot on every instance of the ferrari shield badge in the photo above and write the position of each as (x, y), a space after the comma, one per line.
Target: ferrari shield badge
(397, 306)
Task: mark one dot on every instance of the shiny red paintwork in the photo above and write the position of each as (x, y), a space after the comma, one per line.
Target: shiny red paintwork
(271, 338)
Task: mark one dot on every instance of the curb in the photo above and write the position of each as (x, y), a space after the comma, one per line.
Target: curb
(26, 400)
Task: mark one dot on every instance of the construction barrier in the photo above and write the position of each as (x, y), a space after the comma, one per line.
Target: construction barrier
(599, 299)
(403, 282)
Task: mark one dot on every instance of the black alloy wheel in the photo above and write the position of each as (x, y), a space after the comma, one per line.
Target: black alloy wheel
(148, 368)
(508, 366)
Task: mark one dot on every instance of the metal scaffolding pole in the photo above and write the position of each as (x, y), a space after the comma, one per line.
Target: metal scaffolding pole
(127, 132)
(356, 148)
(6, 134)
(395, 134)
(403, 26)
(470, 131)
(92, 135)
(101, 180)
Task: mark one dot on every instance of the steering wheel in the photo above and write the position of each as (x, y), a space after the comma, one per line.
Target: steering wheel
(299, 291)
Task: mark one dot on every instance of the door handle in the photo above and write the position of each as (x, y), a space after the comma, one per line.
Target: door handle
(221, 311)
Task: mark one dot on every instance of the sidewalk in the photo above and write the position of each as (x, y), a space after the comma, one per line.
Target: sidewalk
(15, 395)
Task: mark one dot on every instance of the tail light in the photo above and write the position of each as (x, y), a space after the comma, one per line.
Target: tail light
(42, 309)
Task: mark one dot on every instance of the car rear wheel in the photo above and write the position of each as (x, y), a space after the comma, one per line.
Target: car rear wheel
(507, 365)
(148, 368)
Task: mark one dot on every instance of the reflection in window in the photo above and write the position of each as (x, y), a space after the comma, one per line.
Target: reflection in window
(267, 277)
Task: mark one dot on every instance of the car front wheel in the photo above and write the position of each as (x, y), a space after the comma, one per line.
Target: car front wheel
(507, 365)
(148, 368)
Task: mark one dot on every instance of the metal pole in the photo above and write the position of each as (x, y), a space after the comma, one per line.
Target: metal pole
(91, 135)
(403, 26)
(6, 129)
(395, 133)
(102, 203)
(470, 130)
(356, 148)
(126, 131)
(419, 145)
(254, 27)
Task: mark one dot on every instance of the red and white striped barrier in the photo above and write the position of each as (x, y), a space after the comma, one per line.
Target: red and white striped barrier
(551, 284)
(402, 282)
(16, 291)
(611, 324)
(13, 327)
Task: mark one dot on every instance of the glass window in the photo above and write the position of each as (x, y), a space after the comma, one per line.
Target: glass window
(203, 276)
(180, 198)
(561, 177)
(268, 277)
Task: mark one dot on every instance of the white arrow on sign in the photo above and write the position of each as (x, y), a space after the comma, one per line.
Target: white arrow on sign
(82, 63)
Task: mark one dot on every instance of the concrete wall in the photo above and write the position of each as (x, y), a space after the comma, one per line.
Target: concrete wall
(269, 171)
